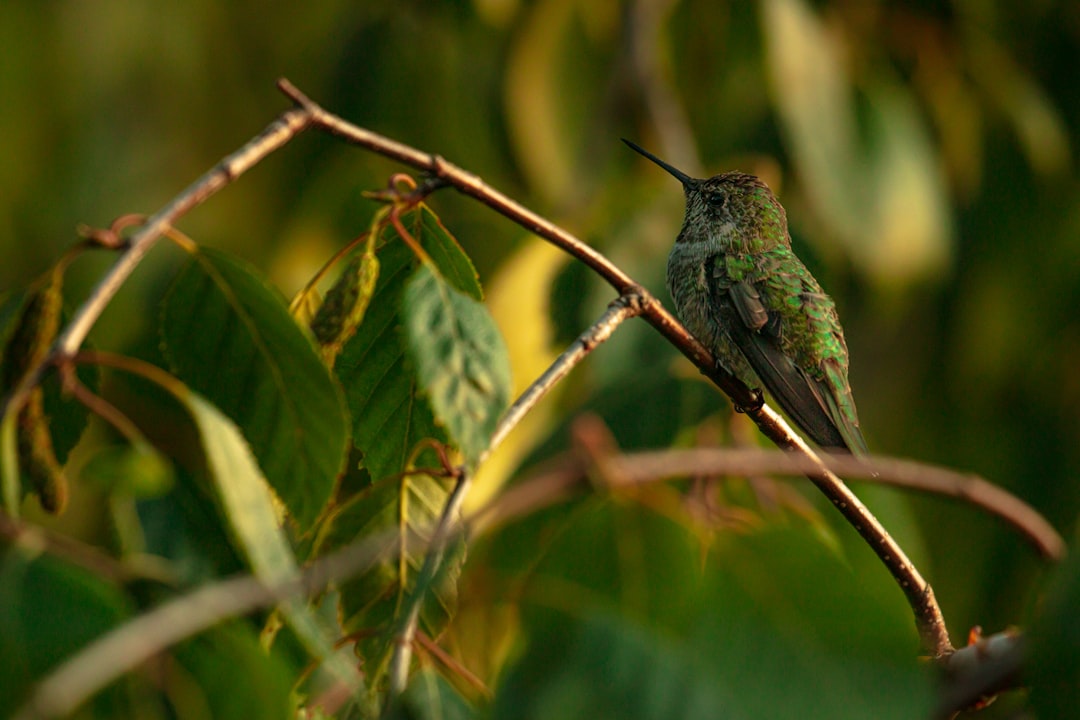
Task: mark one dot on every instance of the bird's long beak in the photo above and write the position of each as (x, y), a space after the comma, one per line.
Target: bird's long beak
(679, 174)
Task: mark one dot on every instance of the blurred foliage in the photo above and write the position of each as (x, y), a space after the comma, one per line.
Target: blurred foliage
(926, 153)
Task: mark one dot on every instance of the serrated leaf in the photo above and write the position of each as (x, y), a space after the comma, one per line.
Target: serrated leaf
(248, 506)
(460, 358)
(228, 334)
(389, 415)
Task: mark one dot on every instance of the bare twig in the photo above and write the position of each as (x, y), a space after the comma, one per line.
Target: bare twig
(976, 673)
(136, 641)
(622, 308)
(558, 479)
(445, 531)
(37, 538)
(446, 173)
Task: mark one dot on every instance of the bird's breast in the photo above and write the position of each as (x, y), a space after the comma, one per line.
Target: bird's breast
(688, 284)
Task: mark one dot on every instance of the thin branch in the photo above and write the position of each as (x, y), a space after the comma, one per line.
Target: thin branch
(121, 650)
(451, 664)
(153, 632)
(559, 479)
(978, 672)
(621, 309)
(625, 306)
(278, 133)
(36, 538)
(445, 530)
(100, 406)
(918, 592)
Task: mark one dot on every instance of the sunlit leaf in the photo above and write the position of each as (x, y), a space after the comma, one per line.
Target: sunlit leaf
(460, 358)
(229, 336)
(390, 414)
(248, 507)
(9, 464)
(878, 187)
(343, 309)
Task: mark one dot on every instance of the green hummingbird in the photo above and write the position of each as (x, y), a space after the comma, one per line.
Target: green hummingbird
(741, 291)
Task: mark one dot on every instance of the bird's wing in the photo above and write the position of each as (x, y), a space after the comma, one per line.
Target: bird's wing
(756, 332)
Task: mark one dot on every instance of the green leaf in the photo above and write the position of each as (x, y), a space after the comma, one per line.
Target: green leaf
(389, 415)
(248, 506)
(48, 610)
(9, 464)
(460, 357)
(185, 528)
(234, 677)
(228, 334)
(864, 166)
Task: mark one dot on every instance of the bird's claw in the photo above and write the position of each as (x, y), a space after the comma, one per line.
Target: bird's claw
(756, 404)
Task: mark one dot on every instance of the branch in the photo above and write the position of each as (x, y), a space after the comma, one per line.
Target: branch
(445, 531)
(559, 479)
(980, 671)
(919, 594)
(124, 648)
(622, 308)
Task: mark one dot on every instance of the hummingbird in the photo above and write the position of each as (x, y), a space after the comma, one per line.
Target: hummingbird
(741, 291)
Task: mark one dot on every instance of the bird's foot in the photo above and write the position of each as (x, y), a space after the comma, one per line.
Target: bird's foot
(755, 404)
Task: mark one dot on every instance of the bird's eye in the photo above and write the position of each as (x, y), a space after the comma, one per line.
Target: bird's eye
(716, 199)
